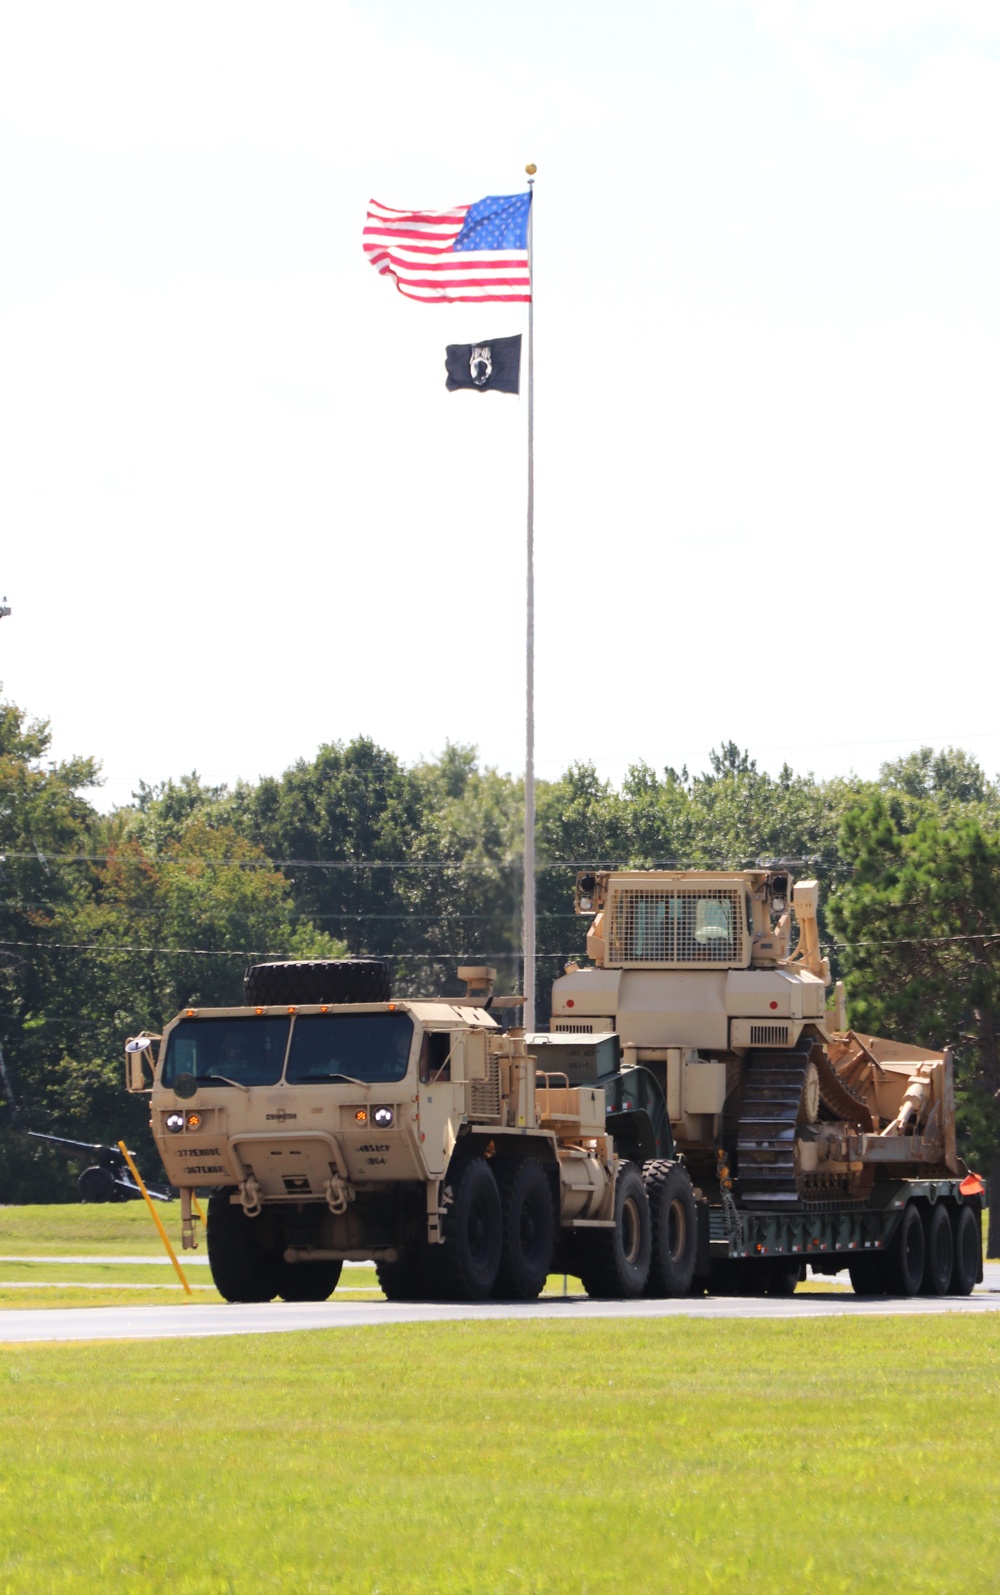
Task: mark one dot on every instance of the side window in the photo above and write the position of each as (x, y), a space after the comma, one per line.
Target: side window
(435, 1059)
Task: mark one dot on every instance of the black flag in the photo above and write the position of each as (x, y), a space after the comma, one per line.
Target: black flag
(494, 365)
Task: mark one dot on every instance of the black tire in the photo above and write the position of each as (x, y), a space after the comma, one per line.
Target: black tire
(867, 1274)
(904, 1260)
(317, 980)
(939, 1251)
(473, 1232)
(968, 1258)
(243, 1267)
(416, 1273)
(96, 1184)
(614, 1263)
(673, 1228)
(307, 1281)
(784, 1278)
(529, 1232)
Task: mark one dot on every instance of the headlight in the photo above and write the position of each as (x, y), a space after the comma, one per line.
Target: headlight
(382, 1117)
(174, 1122)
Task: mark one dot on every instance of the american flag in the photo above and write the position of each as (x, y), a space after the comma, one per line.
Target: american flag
(470, 253)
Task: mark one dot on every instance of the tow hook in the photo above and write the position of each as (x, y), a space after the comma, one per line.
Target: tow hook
(250, 1196)
(337, 1194)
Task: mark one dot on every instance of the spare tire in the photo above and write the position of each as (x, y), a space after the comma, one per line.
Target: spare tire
(317, 980)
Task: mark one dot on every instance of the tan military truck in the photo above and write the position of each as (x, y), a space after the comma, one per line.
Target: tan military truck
(808, 1140)
(331, 1123)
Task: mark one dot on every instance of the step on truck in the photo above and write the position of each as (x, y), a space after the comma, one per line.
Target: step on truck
(811, 1144)
(332, 1124)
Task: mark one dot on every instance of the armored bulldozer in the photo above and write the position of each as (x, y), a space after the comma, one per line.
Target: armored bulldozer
(332, 1124)
(809, 1141)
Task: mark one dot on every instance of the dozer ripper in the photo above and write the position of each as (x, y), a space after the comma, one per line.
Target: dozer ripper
(810, 1142)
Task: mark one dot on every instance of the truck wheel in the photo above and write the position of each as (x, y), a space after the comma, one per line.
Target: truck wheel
(614, 1263)
(673, 1228)
(904, 1260)
(529, 1232)
(939, 1251)
(307, 1281)
(242, 1267)
(413, 1276)
(968, 1251)
(473, 1233)
(866, 1274)
(317, 980)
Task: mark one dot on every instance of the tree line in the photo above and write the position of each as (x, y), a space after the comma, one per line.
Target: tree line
(113, 922)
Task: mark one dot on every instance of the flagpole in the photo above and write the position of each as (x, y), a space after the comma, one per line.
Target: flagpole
(528, 928)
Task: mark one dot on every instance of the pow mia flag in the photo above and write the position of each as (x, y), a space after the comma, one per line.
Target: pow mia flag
(490, 366)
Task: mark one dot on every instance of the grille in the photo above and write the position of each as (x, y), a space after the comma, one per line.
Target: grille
(575, 1027)
(770, 1035)
(483, 1096)
(664, 925)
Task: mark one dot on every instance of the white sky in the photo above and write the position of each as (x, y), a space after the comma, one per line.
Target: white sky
(240, 514)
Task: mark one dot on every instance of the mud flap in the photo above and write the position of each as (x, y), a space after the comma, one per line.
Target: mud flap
(703, 1256)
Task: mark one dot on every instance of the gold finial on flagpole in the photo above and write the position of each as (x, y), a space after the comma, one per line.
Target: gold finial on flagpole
(531, 168)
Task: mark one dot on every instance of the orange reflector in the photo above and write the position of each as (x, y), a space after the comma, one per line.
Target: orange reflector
(190, 1013)
(324, 1007)
(759, 1247)
(972, 1185)
(392, 1007)
(361, 1116)
(258, 1011)
(291, 1010)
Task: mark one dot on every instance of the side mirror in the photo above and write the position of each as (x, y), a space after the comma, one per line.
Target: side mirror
(137, 1050)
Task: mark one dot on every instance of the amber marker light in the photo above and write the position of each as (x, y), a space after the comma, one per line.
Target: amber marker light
(191, 1013)
(258, 1012)
(194, 1121)
(361, 1115)
(291, 1010)
(324, 1007)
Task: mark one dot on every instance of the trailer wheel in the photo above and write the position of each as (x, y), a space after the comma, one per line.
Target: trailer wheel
(473, 1232)
(243, 1268)
(785, 1278)
(904, 1260)
(317, 980)
(614, 1263)
(308, 1281)
(940, 1251)
(529, 1231)
(866, 1274)
(968, 1251)
(673, 1228)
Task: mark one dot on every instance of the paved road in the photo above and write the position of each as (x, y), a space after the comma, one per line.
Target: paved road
(157, 1323)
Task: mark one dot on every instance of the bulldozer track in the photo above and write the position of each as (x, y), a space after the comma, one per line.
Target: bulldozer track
(765, 1143)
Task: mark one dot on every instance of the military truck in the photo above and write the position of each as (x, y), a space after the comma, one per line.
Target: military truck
(810, 1142)
(333, 1124)
(698, 1116)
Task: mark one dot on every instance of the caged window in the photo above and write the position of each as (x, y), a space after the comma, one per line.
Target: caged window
(662, 926)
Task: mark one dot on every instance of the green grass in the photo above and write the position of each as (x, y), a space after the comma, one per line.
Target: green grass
(94, 1228)
(509, 1459)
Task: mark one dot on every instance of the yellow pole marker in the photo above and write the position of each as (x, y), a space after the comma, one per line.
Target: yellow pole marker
(165, 1238)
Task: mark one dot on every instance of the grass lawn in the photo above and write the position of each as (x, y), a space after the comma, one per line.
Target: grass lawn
(521, 1459)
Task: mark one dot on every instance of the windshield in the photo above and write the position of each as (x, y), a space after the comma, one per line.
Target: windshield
(214, 1051)
(358, 1046)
